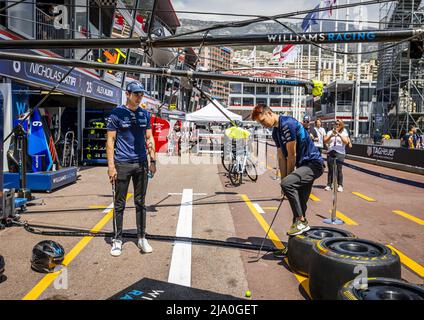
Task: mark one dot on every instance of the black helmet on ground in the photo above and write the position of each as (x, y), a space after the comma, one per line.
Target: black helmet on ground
(46, 255)
(1, 266)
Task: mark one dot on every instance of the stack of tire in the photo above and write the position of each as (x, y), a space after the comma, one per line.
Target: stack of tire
(300, 246)
(341, 266)
(336, 261)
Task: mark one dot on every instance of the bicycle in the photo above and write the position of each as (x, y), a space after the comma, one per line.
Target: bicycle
(227, 163)
(242, 164)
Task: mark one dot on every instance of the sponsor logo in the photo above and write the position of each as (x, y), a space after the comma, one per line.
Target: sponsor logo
(322, 37)
(138, 295)
(63, 178)
(381, 153)
(263, 80)
(369, 151)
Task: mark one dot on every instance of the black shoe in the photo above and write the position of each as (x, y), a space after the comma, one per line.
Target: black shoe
(281, 253)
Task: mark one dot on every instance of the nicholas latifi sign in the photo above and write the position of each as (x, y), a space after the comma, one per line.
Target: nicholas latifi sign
(76, 83)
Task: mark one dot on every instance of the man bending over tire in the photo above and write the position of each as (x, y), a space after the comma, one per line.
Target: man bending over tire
(299, 160)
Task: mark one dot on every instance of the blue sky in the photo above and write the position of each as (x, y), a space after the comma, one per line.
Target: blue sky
(262, 7)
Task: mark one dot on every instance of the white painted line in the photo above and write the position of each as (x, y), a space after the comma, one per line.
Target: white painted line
(180, 269)
(179, 194)
(258, 208)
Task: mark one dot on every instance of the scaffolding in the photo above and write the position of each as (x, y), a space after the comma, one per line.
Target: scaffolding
(400, 84)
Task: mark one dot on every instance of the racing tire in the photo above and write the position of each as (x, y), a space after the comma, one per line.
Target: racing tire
(382, 289)
(335, 261)
(300, 246)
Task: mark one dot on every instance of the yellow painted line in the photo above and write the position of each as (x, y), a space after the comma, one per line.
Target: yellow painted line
(346, 219)
(408, 262)
(274, 238)
(314, 197)
(270, 208)
(409, 216)
(360, 195)
(49, 278)
(98, 207)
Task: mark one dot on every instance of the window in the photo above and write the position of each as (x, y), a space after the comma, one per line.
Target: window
(287, 90)
(275, 102)
(248, 89)
(248, 102)
(81, 25)
(235, 101)
(275, 90)
(287, 102)
(21, 19)
(367, 94)
(262, 101)
(235, 87)
(261, 90)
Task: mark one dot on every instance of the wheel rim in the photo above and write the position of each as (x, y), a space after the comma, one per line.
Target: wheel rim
(389, 291)
(322, 233)
(355, 247)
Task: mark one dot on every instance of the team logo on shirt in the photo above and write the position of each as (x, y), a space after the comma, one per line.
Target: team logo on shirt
(286, 132)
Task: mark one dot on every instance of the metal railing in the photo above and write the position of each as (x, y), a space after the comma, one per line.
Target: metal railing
(45, 27)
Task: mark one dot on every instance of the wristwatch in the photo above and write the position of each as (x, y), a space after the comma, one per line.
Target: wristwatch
(153, 161)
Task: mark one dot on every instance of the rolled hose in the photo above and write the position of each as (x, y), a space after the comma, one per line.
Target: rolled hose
(74, 232)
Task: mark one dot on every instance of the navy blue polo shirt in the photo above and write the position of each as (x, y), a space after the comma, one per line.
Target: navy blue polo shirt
(289, 129)
(130, 127)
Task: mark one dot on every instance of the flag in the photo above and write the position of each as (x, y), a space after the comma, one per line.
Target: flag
(289, 55)
(253, 54)
(310, 19)
(327, 4)
(277, 50)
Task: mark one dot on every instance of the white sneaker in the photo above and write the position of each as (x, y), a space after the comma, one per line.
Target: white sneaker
(340, 188)
(144, 245)
(116, 248)
(327, 188)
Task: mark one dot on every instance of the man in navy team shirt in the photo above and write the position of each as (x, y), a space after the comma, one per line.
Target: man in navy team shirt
(128, 132)
(299, 160)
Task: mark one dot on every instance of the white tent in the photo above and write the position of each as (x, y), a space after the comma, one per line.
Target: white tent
(210, 113)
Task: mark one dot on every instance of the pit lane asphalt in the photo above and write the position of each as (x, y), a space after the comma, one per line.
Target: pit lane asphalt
(220, 211)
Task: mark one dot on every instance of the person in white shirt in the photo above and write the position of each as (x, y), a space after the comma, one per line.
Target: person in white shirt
(319, 134)
(336, 139)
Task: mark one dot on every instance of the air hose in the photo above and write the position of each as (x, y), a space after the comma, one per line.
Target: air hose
(74, 232)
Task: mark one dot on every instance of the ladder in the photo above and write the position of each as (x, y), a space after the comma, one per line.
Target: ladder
(68, 150)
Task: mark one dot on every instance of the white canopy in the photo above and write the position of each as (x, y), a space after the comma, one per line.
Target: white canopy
(210, 113)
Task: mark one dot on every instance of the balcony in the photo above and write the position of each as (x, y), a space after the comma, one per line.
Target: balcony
(45, 30)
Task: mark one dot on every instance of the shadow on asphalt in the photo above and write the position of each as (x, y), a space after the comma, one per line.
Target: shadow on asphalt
(305, 282)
